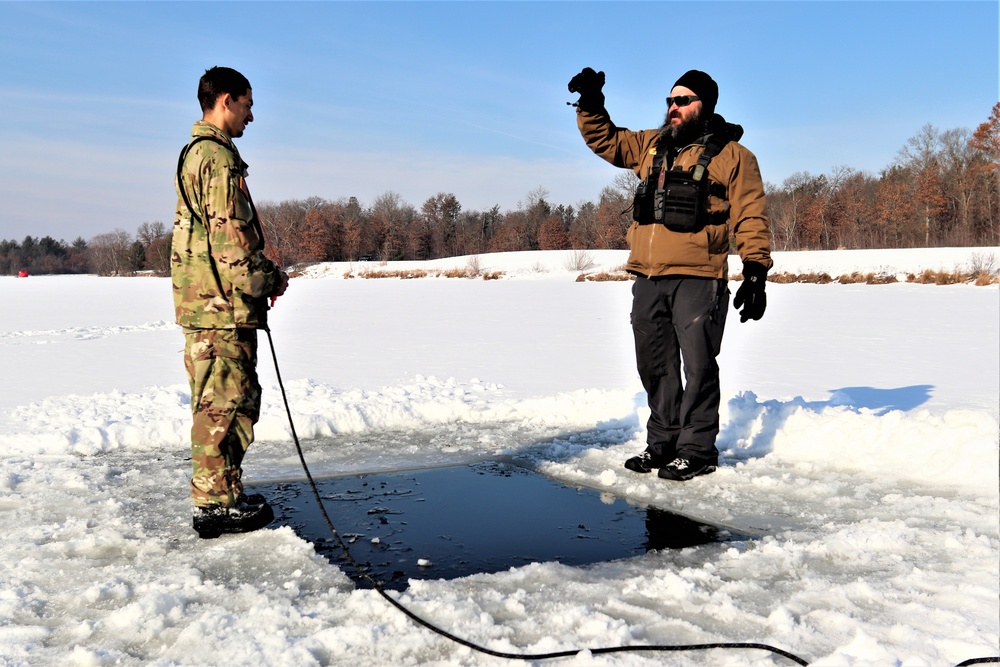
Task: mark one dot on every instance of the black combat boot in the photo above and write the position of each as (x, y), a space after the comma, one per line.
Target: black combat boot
(250, 513)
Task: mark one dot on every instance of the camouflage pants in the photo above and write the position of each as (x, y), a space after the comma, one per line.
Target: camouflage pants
(225, 404)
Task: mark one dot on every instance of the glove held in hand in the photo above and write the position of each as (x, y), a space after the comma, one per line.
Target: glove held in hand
(751, 292)
(589, 84)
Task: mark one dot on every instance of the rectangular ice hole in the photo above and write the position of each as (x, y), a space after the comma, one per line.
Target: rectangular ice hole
(444, 523)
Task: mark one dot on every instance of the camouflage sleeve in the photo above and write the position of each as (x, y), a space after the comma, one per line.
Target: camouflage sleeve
(236, 244)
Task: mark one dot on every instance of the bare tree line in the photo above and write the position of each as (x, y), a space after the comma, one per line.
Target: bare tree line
(390, 229)
(942, 189)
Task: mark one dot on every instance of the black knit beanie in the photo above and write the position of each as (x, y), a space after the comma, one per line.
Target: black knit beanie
(701, 85)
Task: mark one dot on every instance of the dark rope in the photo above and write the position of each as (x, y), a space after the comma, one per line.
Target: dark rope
(501, 654)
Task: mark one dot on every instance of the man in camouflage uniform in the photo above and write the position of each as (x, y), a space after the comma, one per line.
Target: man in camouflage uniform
(221, 285)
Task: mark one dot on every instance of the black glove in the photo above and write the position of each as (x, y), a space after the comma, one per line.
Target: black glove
(751, 292)
(588, 83)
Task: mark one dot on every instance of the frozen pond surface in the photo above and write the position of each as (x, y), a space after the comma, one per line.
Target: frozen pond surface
(859, 442)
(449, 522)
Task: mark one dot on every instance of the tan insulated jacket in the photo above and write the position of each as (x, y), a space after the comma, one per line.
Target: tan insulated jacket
(736, 187)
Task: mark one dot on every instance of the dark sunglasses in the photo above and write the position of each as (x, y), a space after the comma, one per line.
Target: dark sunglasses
(682, 100)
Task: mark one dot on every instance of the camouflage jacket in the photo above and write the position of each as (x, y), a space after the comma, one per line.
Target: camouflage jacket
(221, 278)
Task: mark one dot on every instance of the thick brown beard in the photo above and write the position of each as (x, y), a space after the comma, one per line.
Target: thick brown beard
(683, 134)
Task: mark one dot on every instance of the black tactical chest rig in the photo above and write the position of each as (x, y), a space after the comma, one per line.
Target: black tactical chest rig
(676, 198)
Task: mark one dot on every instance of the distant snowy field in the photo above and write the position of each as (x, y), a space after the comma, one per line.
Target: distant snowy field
(860, 438)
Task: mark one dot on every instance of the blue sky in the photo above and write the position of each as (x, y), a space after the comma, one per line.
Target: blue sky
(360, 98)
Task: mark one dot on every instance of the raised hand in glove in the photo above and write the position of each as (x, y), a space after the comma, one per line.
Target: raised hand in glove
(589, 84)
(751, 292)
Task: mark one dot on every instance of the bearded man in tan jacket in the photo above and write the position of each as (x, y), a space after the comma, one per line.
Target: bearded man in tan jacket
(698, 189)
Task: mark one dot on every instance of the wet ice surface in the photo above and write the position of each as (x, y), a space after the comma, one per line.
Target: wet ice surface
(449, 522)
(859, 441)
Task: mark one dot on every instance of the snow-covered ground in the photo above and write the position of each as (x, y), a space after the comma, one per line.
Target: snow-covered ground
(860, 439)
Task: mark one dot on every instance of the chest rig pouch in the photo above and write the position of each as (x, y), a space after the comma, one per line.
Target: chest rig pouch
(675, 198)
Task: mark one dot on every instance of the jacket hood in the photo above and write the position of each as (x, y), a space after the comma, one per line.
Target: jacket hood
(720, 129)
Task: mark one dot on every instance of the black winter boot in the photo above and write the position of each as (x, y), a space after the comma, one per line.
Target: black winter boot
(683, 469)
(645, 462)
(245, 516)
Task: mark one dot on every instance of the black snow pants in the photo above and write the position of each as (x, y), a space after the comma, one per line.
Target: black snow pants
(675, 318)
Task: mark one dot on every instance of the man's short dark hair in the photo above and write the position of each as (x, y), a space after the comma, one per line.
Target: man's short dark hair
(219, 81)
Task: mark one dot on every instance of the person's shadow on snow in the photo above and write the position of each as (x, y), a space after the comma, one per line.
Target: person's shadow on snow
(751, 426)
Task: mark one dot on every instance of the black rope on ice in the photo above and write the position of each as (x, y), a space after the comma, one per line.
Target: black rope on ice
(502, 654)
(464, 642)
